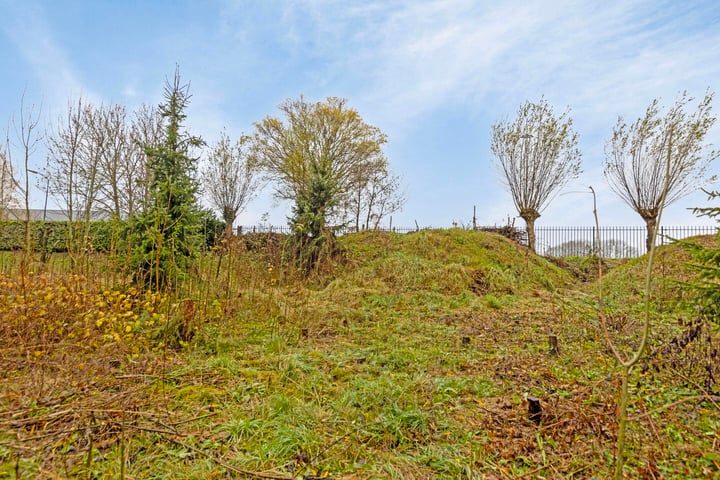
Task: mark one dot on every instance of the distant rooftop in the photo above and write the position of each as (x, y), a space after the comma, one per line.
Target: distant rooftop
(49, 215)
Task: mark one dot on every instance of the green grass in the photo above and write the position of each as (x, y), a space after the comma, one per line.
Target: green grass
(412, 359)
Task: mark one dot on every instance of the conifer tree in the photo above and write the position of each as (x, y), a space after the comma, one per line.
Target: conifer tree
(168, 233)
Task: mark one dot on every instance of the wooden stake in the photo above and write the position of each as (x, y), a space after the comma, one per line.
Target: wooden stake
(553, 345)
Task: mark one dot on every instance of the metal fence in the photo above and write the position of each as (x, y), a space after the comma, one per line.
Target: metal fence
(285, 229)
(616, 242)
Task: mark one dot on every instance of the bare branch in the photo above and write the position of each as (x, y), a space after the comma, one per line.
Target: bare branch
(538, 155)
(636, 157)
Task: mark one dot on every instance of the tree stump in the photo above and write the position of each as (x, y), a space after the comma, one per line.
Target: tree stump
(554, 348)
(534, 409)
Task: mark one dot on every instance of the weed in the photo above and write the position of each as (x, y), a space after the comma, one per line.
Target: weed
(375, 371)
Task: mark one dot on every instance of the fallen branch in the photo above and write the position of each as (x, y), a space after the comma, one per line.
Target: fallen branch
(227, 466)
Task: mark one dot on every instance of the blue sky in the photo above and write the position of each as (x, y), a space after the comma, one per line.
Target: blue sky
(434, 75)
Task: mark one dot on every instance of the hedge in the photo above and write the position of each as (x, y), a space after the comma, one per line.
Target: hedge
(12, 234)
(103, 235)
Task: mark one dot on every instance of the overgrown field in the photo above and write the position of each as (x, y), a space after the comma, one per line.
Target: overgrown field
(410, 357)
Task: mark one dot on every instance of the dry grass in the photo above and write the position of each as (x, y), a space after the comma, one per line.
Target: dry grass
(397, 365)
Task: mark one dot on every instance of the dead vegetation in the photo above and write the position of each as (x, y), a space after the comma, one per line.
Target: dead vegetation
(406, 363)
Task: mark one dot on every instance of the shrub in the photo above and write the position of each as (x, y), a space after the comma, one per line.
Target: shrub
(53, 236)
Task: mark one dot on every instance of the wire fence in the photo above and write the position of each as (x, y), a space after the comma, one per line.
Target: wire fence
(616, 242)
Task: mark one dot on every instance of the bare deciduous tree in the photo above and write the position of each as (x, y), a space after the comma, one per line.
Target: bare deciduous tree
(109, 132)
(8, 185)
(373, 195)
(537, 154)
(231, 177)
(97, 159)
(146, 130)
(64, 152)
(637, 157)
(26, 142)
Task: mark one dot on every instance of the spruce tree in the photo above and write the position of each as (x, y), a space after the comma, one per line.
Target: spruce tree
(705, 290)
(168, 233)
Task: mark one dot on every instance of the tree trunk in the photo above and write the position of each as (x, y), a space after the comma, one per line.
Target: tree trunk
(229, 216)
(651, 224)
(530, 215)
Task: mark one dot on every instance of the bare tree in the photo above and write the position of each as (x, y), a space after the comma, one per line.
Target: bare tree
(109, 132)
(97, 159)
(610, 248)
(571, 248)
(8, 185)
(231, 177)
(537, 154)
(637, 157)
(26, 142)
(146, 131)
(65, 148)
(374, 194)
(615, 248)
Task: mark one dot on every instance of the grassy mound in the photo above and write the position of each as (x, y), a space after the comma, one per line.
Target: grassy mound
(624, 284)
(444, 264)
(413, 361)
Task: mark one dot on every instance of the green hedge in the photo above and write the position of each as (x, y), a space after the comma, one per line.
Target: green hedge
(12, 235)
(103, 235)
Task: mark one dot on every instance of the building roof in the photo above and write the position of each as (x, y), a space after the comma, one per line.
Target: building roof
(49, 215)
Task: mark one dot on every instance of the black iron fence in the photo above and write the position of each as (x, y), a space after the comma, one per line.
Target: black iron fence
(286, 229)
(616, 242)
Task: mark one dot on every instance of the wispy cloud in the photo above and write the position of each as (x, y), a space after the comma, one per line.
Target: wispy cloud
(413, 57)
(26, 26)
(409, 60)
(433, 74)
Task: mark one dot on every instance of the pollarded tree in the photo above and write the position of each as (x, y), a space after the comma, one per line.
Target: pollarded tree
(231, 177)
(314, 156)
(638, 156)
(537, 154)
(169, 229)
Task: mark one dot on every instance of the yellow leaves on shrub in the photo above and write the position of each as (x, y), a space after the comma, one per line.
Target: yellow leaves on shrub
(51, 310)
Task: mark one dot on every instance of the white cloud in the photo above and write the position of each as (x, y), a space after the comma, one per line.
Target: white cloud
(25, 25)
(414, 57)
(404, 63)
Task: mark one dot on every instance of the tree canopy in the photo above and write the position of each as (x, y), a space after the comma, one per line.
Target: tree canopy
(659, 159)
(537, 154)
(314, 156)
(231, 178)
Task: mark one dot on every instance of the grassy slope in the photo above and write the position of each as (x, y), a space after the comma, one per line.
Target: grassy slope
(412, 362)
